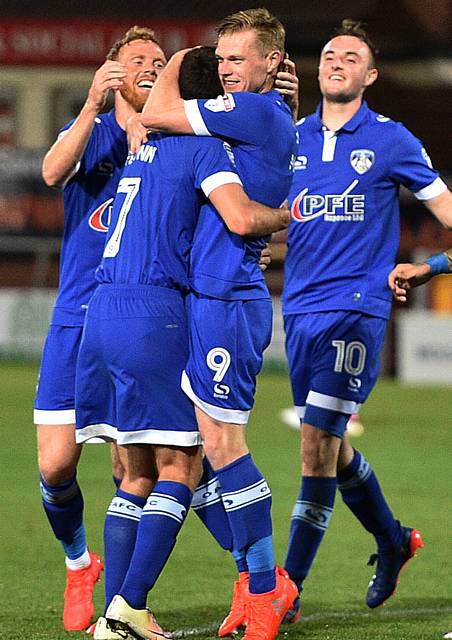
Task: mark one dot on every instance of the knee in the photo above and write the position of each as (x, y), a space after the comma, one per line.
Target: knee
(183, 465)
(56, 470)
(320, 452)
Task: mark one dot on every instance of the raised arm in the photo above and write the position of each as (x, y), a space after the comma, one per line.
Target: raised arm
(247, 217)
(287, 85)
(60, 162)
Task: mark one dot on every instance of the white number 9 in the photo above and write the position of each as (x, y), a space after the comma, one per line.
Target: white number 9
(218, 359)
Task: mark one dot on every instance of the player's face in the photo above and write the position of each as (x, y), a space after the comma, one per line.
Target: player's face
(242, 66)
(144, 60)
(345, 69)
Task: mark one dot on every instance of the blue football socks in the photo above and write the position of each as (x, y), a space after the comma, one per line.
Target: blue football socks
(247, 500)
(63, 504)
(120, 532)
(310, 519)
(363, 496)
(161, 520)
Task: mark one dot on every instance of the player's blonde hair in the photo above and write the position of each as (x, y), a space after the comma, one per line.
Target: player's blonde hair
(134, 33)
(270, 32)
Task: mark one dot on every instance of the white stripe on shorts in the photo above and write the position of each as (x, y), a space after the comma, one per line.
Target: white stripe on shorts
(334, 404)
(44, 417)
(234, 416)
(106, 433)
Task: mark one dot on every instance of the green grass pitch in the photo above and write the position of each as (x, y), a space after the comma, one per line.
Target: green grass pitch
(407, 439)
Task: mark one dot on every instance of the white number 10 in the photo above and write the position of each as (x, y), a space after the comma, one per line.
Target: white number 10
(345, 354)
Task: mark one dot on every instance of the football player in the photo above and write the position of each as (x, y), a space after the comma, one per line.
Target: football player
(86, 163)
(230, 306)
(135, 346)
(342, 243)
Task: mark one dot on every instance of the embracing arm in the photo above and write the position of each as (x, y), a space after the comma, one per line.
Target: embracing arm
(164, 109)
(247, 217)
(60, 162)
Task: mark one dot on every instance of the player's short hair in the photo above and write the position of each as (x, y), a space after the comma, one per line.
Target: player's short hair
(198, 74)
(134, 33)
(270, 31)
(355, 28)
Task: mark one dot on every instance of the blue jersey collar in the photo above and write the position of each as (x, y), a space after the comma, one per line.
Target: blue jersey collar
(349, 126)
(277, 97)
(110, 117)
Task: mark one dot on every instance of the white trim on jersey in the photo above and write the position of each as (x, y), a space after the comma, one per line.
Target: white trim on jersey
(106, 433)
(329, 145)
(233, 500)
(159, 504)
(195, 118)
(234, 416)
(330, 402)
(44, 417)
(218, 180)
(432, 190)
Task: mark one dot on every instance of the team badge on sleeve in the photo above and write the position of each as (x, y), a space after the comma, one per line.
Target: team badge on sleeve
(222, 103)
(362, 160)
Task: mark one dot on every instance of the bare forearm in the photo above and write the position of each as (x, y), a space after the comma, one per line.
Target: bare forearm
(165, 95)
(61, 160)
(441, 207)
(265, 220)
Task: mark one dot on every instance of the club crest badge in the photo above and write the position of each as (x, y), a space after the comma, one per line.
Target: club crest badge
(362, 160)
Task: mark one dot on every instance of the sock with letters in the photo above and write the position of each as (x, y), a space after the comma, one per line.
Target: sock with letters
(310, 519)
(247, 500)
(160, 522)
(120, 532)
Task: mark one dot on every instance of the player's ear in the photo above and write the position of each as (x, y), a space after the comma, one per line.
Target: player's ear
(274, 59)
(372, 75)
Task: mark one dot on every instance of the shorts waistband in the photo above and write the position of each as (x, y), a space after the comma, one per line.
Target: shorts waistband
(141, 290)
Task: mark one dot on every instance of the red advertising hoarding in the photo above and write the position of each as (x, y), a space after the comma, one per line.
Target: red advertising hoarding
(85, 42)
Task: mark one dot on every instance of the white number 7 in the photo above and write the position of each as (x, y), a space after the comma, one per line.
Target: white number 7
(130, 187)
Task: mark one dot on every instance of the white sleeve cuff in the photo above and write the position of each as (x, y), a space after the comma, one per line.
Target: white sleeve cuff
(218, 180)
(195, 118)
(432, 190)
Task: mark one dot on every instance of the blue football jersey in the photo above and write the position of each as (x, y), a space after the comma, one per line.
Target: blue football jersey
(156, 209)
(262, 142)
(345, 229)
(87, 197)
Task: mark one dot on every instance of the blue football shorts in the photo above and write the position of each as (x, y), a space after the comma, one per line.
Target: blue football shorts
(227, 342)
(334, 362)
(133, 351)
(55, 393)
